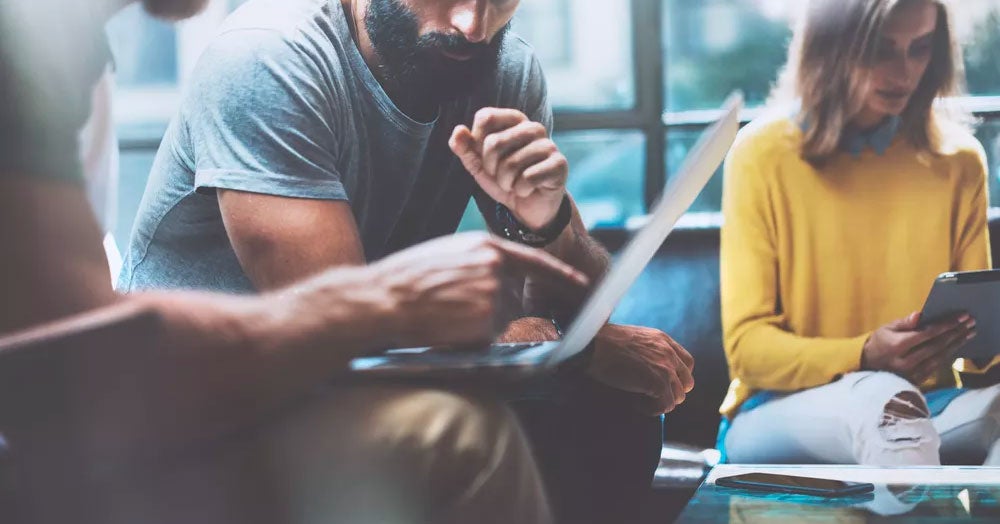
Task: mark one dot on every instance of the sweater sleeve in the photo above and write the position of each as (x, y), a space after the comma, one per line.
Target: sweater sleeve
(761, 351)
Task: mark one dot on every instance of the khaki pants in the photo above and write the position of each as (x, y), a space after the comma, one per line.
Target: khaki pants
(358, 454)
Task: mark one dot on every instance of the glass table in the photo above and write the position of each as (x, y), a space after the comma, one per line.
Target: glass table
(926, 495)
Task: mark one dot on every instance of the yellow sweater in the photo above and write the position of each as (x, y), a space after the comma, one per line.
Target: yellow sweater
(813, 261)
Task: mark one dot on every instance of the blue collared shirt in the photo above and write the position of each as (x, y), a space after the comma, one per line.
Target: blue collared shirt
(878, 138)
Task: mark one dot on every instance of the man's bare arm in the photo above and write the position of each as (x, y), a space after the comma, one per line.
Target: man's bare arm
(575, 245)
(227, 359)
(52, 264)
(280, 240)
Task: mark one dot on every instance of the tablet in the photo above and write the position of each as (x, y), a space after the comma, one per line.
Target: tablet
(973, 292)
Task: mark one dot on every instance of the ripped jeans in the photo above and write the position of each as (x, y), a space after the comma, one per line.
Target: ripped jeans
(870, 418)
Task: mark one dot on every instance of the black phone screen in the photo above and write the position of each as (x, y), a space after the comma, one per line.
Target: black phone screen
(791, 483)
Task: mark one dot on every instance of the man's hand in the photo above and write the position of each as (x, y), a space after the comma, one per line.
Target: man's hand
(903, 348)
(450, 290)
(646, 361)
(515, 162)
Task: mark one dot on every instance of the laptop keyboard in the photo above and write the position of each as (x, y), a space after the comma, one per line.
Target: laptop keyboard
(510, 349)
(495, 350)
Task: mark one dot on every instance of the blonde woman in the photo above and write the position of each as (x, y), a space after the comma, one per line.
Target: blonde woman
(839, 215)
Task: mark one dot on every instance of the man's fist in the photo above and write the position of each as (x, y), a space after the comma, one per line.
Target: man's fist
(515, 162)
(645, 361)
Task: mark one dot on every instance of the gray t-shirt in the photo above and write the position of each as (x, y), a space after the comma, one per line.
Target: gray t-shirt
(283, 103)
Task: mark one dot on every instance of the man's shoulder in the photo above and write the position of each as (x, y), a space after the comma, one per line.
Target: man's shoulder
(288, 17)
(517, 56)
(519, 82)
(289, 42)
(277, 31)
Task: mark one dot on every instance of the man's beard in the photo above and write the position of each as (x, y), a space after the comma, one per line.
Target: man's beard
(174, 9)
(412, 65)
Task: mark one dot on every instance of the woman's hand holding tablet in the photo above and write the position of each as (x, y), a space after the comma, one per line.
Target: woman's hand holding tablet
(976, 293)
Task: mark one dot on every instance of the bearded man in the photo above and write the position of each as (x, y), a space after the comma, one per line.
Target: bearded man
(318, 133)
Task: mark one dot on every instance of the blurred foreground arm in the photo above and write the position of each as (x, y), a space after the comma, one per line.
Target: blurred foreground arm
(228, 359)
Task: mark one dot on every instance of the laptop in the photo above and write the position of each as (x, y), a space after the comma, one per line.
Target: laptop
(510, 362)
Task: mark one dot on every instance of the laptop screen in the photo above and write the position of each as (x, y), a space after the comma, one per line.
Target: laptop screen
(681, 191)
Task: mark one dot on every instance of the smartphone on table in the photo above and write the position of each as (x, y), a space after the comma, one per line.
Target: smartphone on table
(775, 483)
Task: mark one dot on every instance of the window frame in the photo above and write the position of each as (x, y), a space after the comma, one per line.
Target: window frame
(651, 117)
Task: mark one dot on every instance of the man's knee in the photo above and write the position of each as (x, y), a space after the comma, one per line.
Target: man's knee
(451, 439)
(892, 423)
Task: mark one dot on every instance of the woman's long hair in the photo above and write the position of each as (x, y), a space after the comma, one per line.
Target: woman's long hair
(832, 52)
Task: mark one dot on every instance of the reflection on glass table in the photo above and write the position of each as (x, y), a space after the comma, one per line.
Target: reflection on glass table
(929, 495)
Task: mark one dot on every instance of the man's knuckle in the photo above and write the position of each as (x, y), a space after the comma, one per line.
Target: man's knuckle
(491, 286)
(492, 258)
(484, 116)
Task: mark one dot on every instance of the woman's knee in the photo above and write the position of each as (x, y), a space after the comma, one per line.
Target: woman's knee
(892, 425)
(970, 427)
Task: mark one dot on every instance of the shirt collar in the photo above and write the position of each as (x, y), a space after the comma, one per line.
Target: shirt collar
(878, 138)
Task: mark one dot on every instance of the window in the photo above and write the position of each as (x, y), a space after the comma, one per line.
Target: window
(715, 46)
(978, 25)
(585, 48)
(146, 50)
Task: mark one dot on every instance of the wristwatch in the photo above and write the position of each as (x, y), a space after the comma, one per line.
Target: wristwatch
(509, 227)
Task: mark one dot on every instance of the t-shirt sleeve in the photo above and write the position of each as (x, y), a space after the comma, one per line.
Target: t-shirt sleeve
(258, 119)
(48, 68)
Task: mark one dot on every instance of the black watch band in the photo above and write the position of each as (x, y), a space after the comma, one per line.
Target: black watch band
(509, 227)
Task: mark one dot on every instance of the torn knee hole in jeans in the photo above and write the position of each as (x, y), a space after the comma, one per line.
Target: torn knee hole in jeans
(904, 418)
